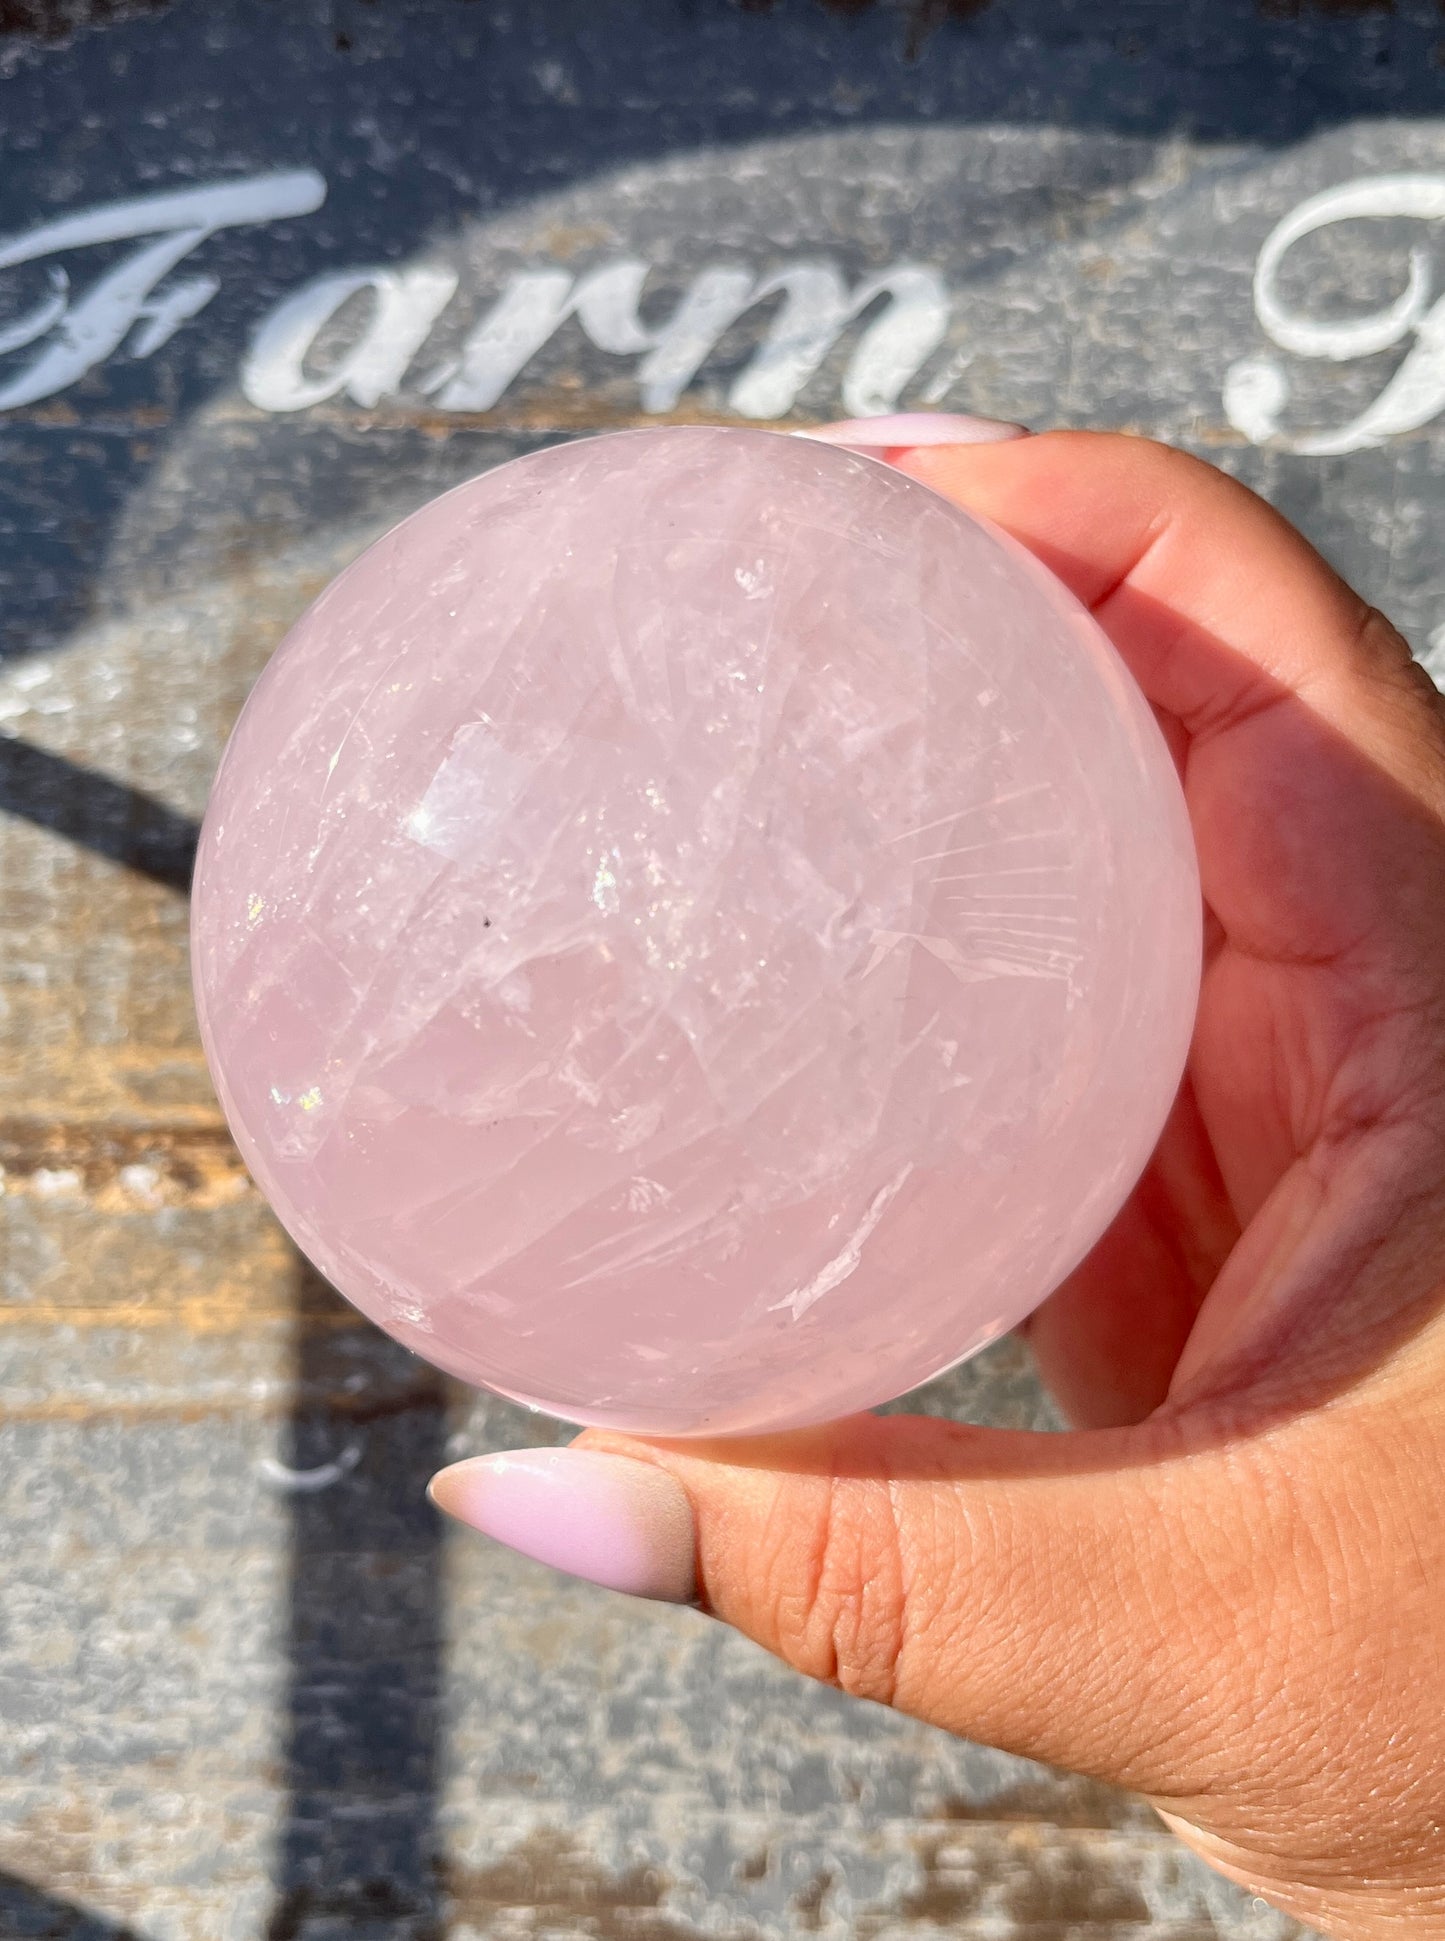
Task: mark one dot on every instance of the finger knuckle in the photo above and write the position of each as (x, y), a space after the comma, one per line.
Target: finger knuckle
(838, 1595)
(1379, 643)
(1383, 652)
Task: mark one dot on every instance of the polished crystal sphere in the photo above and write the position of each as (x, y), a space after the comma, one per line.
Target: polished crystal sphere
(696, 933)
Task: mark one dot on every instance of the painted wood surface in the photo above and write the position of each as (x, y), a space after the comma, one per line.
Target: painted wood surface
(269, 278)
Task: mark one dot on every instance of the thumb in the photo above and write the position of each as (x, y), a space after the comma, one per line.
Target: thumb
(1067, 1597)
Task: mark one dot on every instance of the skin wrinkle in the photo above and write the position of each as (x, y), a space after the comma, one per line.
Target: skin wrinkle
(790, 1611)
(866, 1622)
(1156, 531)
(1308, 1123)
(929, 1594)
(1206, 1618)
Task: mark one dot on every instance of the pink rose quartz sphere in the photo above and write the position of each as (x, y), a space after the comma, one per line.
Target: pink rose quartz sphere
(696, 933)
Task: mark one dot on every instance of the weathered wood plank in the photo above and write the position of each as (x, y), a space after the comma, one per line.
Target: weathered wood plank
(248, 1688)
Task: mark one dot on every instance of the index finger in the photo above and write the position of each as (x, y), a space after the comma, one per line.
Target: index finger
(1217, 604)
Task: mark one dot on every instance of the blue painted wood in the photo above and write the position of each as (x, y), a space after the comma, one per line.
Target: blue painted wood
(240, 1706)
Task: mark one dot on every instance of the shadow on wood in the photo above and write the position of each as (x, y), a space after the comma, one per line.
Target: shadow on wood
(30, 1914)
(358, 1851)
(102, 815)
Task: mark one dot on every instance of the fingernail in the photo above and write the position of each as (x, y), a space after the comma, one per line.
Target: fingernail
(911, 428)
(607, 1519)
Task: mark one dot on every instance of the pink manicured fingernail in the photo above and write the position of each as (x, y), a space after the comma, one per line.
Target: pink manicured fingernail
(623, 1524)
(911, 428)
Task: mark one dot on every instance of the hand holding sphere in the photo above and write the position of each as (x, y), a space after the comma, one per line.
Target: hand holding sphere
(1223, 1589)
(696, 932)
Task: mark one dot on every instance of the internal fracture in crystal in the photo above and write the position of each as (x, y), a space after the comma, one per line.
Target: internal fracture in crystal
(695, 932)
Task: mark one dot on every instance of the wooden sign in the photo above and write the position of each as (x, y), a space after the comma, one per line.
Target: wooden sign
(270, 277)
